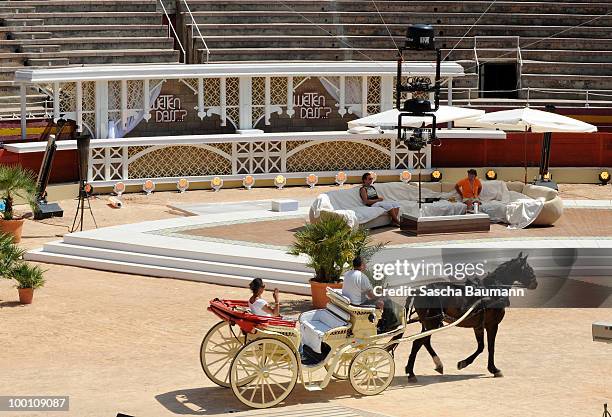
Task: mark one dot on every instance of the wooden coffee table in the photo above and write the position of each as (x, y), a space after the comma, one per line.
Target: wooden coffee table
(462, 223)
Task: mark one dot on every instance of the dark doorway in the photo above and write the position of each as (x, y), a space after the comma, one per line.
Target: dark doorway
(498, 80)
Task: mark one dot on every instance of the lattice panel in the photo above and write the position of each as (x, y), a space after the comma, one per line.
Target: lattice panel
(297, 81)
(258, 98)
(258, 157)
(232, 95)
(212, 92)
(373, 95)
(278, 91)
(67, 97)
(97, 163)
(134, 94)
(89, 96)
(114, 100)
(402, 156)
(352, 86)
(333, 156)
(178, 161)
(419, 159)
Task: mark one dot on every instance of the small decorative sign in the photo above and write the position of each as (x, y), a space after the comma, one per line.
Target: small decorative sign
(168, 109)
(311, 106)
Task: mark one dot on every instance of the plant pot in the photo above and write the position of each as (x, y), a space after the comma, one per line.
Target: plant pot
(25, 295)
(318, 291)
(13, 228)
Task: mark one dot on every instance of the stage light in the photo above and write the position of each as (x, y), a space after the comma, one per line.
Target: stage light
(88, 188)
(248, 182)
(280, 181)
(436, 176)
(340, 178)
(547, 176)
(216, 183)
(119, 188)
(182, 185)
(420, 37)
(604, 177)
(312, 180)
(405, 177)
(148, 187)
(491, 175)
(373, 175)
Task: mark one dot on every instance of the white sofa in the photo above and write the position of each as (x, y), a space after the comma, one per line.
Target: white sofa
(513, 202)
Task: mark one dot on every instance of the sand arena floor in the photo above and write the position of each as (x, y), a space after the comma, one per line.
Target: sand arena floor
(127, 343)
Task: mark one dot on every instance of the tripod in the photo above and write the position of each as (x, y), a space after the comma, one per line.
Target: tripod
(606, 413)
(80, 212)
(84, 188)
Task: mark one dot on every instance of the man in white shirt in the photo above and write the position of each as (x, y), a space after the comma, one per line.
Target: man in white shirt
(356, 285)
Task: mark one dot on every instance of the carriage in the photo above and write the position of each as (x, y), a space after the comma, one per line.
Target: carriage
(262, 358)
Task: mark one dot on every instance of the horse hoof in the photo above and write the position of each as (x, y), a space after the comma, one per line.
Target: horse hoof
(439, 367)
(498, 374)
(412, 378)
(461, 365)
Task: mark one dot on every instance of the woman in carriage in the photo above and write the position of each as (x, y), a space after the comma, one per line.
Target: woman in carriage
(260, 306)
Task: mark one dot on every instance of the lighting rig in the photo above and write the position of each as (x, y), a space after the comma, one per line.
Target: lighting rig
(419, 37)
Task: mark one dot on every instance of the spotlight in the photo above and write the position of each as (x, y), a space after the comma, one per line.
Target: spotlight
(148, 187)
(436, 176)
(547, 176)
(604, 177)
(374, 176)
(248, 182)
(280, 181)
(340, 178)
(420, 37)
(88, 188)
(119, 188)
(405, 177)
(182, 185)
(216, 183)
(312, 180)
(491, 175)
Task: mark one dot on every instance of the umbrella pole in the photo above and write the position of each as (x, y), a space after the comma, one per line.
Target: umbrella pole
(525, 154)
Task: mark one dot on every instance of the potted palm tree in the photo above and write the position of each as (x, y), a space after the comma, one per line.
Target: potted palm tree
(12, 266)
(15, 182)
(330, 245)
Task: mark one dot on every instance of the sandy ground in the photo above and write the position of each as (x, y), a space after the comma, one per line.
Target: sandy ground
(130, 344)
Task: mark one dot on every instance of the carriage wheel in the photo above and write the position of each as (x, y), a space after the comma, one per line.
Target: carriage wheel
(342, 368)
(217, 351)
(371, 371)
(264, 373)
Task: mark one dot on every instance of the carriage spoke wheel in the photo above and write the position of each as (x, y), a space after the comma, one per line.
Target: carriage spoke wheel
(371, 371)
(217, 351)
(264, 373)
(342, 368)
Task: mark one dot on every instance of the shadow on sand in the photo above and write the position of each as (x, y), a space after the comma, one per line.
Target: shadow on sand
(217, 400)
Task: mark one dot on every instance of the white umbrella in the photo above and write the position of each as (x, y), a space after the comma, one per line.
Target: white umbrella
(388, 119)
(527, 119)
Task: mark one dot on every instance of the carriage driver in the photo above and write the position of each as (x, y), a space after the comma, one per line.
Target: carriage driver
(356, 286)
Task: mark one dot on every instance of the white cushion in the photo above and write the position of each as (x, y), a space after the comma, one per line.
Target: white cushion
(314, 324)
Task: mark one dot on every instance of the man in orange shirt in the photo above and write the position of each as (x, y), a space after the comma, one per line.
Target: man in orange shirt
(469, 188)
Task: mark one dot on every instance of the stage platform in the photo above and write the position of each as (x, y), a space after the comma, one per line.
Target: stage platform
(232, 243)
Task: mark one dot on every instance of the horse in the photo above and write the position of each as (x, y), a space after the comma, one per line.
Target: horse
(432, 311)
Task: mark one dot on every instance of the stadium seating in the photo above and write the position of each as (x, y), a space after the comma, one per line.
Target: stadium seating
(555, 54)
(44, 33)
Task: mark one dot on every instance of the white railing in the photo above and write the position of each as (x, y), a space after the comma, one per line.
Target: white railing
(472, 96)
(171, 28)
(195, 25)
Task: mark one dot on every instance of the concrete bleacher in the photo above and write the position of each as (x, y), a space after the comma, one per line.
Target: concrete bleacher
(43, 33)
(555, 54)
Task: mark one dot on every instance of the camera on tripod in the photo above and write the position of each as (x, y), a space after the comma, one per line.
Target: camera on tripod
(419, 37)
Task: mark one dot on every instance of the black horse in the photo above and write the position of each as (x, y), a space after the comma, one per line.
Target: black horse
(432, 311)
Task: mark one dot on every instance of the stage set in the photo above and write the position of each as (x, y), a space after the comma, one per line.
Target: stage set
(219, 125)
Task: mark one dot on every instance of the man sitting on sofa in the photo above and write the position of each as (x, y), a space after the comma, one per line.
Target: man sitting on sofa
(469, 188)
(370, 198)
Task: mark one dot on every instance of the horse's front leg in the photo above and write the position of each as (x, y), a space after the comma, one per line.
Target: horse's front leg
(416, 346)
(491, 334)
(479, 333)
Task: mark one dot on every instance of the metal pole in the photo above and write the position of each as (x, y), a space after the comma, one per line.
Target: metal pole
(23, 110)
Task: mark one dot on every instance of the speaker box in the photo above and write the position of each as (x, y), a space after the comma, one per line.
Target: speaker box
(602, 331)
(47, 210)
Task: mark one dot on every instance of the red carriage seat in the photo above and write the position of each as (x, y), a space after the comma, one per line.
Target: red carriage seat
(237, 312)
